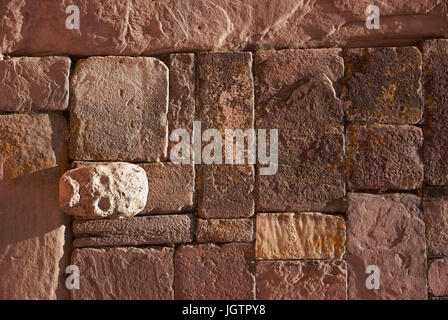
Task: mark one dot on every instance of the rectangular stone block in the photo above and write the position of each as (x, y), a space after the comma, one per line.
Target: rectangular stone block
(119, 109)
(210, 272)
(308, 235)
(225, 230)
(435, 77)
(301, 280)
(166, 229)
(33, 231)
(386, 234)
(384, 157)
(435, 206)
(438, 277)
(34, 84)
(384, 85)
(124, 274)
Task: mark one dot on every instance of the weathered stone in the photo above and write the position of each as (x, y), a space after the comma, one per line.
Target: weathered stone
(299, 236)
(124, 274)
(113, 190)
(383, 85)
(384, 157)
(226, 191)
(133, 231)
(119, 109)
(435, 75)
(435, 207)
(33, 84)
(301, 280)
(33, 234)
(386, 231)
(210, 272)
(134, 27)
(438, 277)
(225, 230)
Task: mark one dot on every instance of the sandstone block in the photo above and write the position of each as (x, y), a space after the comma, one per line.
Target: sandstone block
(435, 206)
(438, 277)
(225, 230)
(299, 236)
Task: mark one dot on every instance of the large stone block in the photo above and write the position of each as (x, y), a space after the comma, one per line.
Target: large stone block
(119, 109)
(386, 231)
(435, 207)
(225, 230)
(438, 277)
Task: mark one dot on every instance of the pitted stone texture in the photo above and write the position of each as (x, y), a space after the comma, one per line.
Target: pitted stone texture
(119, 109)
(34, 84)
(225, 230)
(386, 231)
(167, 229)
(436, 220)
(435, 75)
(299, 236)
(124, 274)
(226, 191)
(384, 85)
(114, 190)
(34, 236)
(210, 272)
(438, 277)
(384, 157)
(301, 280)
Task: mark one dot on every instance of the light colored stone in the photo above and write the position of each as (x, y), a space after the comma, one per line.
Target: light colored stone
(299, 236)
(438, 277)
(124, 274)
(166, 229)
(225, 230)
(435, 207)
(113, 190)
(119, 108)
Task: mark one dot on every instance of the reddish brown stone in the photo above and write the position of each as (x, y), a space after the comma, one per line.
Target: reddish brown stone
(34, 84)
(436, 219)
(435, 75)
(386, 231)
(124, 274)
(383, 85)
(384, 157)
(214, 272)
(438, 277)
(225, 230)
(301, 280)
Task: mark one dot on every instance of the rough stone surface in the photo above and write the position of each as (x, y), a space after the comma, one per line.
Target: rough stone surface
(438, 277)
(226, 191)
(134, 27)
(113, 190)
(386, 231)
(301, 280)
(384, 157)
(124, 274)
(384, 85)
(33, 84)
(210, 272)
(225, 230)
(435, 75)
(119, 108)
(33, 237)
(436, 220)
(299, 236)
(133, 231)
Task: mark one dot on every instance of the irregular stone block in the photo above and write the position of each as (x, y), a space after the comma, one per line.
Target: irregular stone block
(383, 85)
(113, 190)
(225, 230)
(301, 280)
(119, 108)
(299, 236)
(438, 277)
(435, 76)
(133, 231)
(210, 272)
(33, 234)
(34, 84)
(386, 231)
(124, 274)
(384, 157)
(435, 206)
